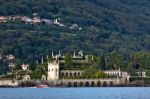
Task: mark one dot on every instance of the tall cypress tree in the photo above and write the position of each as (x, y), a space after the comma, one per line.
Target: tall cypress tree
(68, 60)
(101, 62)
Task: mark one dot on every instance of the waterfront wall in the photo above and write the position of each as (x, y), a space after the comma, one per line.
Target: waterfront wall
(86, 82)
(10, 83)
(66, 82)
(90, 82)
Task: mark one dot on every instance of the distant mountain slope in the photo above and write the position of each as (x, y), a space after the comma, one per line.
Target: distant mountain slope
(108, 25)
(127, 16)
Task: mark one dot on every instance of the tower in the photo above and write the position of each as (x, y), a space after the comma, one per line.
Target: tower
(59, 54)
(52, 54)
(74, 55)
(42, 60)
(53, 70)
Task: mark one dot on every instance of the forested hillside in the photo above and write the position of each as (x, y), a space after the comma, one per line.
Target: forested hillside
(121, 26)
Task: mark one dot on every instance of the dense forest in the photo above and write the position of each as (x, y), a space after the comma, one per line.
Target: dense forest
(108, 26)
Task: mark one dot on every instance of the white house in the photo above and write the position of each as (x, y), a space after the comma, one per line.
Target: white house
(58, 23)
(3, 19)
(142, 74)
(10, 57)
(25, 66)
(26, 19)
(36, 20)
(47, 21)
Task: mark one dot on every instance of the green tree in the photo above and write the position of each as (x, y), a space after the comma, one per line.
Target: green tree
(18, 65)
(32, 66)
(91, 72)
(90, 58)
(115, 61)
(68, 60)
(141, 60)
(101, 62)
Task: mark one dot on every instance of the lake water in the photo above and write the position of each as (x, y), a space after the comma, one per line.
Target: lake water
(75, 93)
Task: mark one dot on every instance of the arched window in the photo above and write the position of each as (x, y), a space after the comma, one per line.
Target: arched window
(81, 84)
(62, 74)
(66, 74)
(98, 84)
(104, 84)
(111, 83)
(75, 74)
(92, 83)
(87, 84)
(70, 74)
(69, 84)
(75, 84)
(79, 74)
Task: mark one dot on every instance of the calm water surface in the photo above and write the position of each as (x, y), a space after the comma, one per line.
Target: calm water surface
(75, 93)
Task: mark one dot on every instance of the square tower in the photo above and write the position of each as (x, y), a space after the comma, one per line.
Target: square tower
(53, 70)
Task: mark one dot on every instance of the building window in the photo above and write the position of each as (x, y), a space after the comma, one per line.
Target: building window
(62, 74)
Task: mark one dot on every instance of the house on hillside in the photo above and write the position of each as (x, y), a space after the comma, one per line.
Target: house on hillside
(10, 57)
(36, 20)
(3, 19)
(26, 19)
(47, 21)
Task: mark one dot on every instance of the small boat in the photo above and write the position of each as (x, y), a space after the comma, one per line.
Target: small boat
(41, 86)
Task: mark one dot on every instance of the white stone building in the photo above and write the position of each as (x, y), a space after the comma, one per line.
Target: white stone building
(53, 70)
(26, 19)
(141, 73)
(8, 83)
(25, 66)
(26, 77)
(3, 19)
(36, 20)
(118, 73)
(11, 65)
(10, 57)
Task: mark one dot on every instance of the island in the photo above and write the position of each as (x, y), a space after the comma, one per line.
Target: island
(70, 70)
